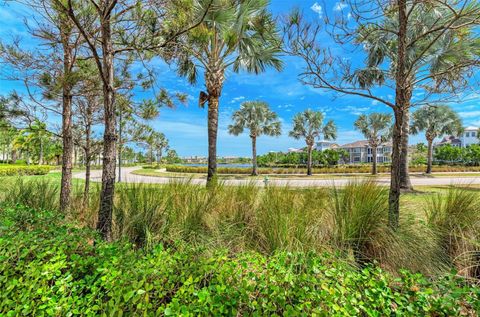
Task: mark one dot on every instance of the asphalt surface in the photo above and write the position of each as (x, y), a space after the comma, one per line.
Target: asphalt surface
(417, 180)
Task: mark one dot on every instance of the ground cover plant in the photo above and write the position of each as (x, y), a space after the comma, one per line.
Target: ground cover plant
(50, 266)
(182, 249)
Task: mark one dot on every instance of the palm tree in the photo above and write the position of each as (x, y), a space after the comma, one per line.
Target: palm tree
(160, 144)
(38, 136)
(376, 127)
(435, 120)
(236, 35)
(257, 117)
(309, 126)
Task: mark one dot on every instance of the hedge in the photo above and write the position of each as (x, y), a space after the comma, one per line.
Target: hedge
(48, 267)
(21, 170)
(346, 169)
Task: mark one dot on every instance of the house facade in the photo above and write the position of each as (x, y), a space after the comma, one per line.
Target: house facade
(325, 145)
(468, 137)
(361, 152)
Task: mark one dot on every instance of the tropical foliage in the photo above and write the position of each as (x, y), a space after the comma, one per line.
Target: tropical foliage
(309, 126)
(377, 128)
(110, 279)
(435, 121)
(257, 117)
(233, 35)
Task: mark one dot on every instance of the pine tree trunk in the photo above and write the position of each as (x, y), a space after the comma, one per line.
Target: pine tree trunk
(429, 156)
(309, 160)
(104, 224)
(67, 128)
(374, 160)
(120, 146)
(88, 155)
(254, 156)
(88, 167)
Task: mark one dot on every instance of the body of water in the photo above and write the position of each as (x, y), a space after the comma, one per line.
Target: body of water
(220, 165)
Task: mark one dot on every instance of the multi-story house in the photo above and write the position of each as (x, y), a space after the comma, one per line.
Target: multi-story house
(325, 145)
(468, 137)
(361, 152)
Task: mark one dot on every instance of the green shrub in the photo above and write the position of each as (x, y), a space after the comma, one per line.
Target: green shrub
(153, 166)
(341, 169)
(22, 170)
(51, 268)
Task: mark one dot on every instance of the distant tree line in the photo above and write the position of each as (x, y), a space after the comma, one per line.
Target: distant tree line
(329, 157)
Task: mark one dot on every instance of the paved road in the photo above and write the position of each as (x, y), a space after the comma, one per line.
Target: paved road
(416, 180)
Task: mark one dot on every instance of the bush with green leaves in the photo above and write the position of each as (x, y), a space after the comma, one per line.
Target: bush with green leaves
(22, 170)
(340, 169)
(51, 267)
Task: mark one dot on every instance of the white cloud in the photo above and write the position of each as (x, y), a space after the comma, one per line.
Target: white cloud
(339, 6)
(317, 9)
(237, 99)
(469, 114)
(356, 110)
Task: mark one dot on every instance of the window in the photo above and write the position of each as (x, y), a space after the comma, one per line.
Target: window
(473, 134)
(467, 134)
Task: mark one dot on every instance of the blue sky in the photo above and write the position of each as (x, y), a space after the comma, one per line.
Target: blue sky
(185, 126)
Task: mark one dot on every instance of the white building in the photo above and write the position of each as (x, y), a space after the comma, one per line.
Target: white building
(361, 152)
(469, 136)
(325, 145)
(294, 150)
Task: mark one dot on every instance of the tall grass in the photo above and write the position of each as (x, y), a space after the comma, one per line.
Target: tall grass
(37, 193)
(455, 218)
(350, 221)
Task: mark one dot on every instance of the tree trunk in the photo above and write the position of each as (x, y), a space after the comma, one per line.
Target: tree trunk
(429, 155)
(395, 189)
(374, 160)
(120, 146)
(254, 156)
(40, 155)
(159, 157)
(405, 182)
(400, 102)
(212, 138)
(309, 160)
(67, 128)
(214, 83)
(104, 224)
(88, 155)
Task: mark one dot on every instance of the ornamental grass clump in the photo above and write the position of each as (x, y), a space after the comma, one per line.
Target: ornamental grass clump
(455, 218)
